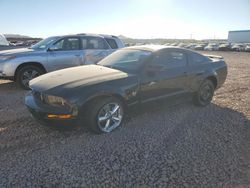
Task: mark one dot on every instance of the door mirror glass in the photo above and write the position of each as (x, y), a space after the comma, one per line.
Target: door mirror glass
(53, 48)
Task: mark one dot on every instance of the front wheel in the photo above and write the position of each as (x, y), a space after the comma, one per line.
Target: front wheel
(27, 73)
(205, 93)
(105, 114)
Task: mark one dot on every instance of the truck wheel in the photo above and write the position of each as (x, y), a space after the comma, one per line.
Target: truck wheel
(105, 114)
(27, 73)
(205, 93)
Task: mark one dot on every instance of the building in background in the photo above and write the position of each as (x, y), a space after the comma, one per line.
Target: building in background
(241, 36)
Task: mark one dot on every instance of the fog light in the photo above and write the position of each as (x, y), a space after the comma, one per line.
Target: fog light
(61, 116)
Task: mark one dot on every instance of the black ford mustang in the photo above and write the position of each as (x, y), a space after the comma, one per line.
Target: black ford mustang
(129, 76)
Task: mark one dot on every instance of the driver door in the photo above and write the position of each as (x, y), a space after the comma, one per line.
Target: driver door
(165, 75)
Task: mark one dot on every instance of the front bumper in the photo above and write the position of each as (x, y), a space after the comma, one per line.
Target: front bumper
(2, 76)
(41, 111)
(8, 69)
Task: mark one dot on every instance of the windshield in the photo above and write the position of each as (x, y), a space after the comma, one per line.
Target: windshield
(126, 60)
(44, 43)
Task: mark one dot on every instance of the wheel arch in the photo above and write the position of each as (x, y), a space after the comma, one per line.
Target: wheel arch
(91, 99)
(213, 79)
(37, 64)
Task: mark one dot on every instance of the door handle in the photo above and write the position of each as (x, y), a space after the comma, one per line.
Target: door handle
(77, 55)
(200, 73)
(151, 83)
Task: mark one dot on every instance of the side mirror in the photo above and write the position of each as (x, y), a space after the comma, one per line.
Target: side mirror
(53, 48)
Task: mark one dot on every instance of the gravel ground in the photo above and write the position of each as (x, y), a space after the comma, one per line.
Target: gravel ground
(160, 145)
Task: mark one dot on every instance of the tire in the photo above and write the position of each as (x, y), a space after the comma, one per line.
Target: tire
(99, 114)
(27, 73)
(205, 94)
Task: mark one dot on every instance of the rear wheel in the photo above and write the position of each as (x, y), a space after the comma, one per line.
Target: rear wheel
(105, 114)
(205, 94)
(27, 73)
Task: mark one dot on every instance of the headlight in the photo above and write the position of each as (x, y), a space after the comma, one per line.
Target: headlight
(54, 100)
(4, 58)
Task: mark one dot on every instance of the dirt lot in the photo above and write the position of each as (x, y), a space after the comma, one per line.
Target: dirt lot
(164, 145)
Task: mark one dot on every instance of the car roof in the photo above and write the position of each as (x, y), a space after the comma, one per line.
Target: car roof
(88, 34)
(154, 48)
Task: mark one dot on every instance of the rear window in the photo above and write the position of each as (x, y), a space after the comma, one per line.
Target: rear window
(112, 43)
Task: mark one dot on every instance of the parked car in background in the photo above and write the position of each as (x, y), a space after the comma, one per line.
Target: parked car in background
(225, 47)
(54, 53)
(190, 46)
(199, 47)
(238, 47)
(129, 76)
(182, 45)
(174, 44)
(167, 44)
(247, 48)
(212, 47)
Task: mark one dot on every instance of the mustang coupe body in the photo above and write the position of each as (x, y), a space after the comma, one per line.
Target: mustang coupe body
(133, 75)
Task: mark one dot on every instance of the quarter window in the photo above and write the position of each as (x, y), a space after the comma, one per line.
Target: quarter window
(112, 43)
(197, 59)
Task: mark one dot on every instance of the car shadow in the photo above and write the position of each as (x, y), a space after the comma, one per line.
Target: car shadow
(156, 106)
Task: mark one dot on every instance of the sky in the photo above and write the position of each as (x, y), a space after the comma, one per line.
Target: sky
(196, 19)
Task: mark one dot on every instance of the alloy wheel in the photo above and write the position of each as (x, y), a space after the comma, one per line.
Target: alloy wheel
(29, 75)
(206, 93)
(110, 117)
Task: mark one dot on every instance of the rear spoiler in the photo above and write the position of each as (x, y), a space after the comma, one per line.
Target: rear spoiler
(213, 56)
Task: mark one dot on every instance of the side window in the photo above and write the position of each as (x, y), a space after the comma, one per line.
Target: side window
(96, 43)
(176, 59)
(72, 44)
(197, 59)
(59, 45)
(67, 44)
(171, 59)
(112, 43)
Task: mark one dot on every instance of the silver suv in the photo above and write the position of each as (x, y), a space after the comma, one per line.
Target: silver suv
(53, 53)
